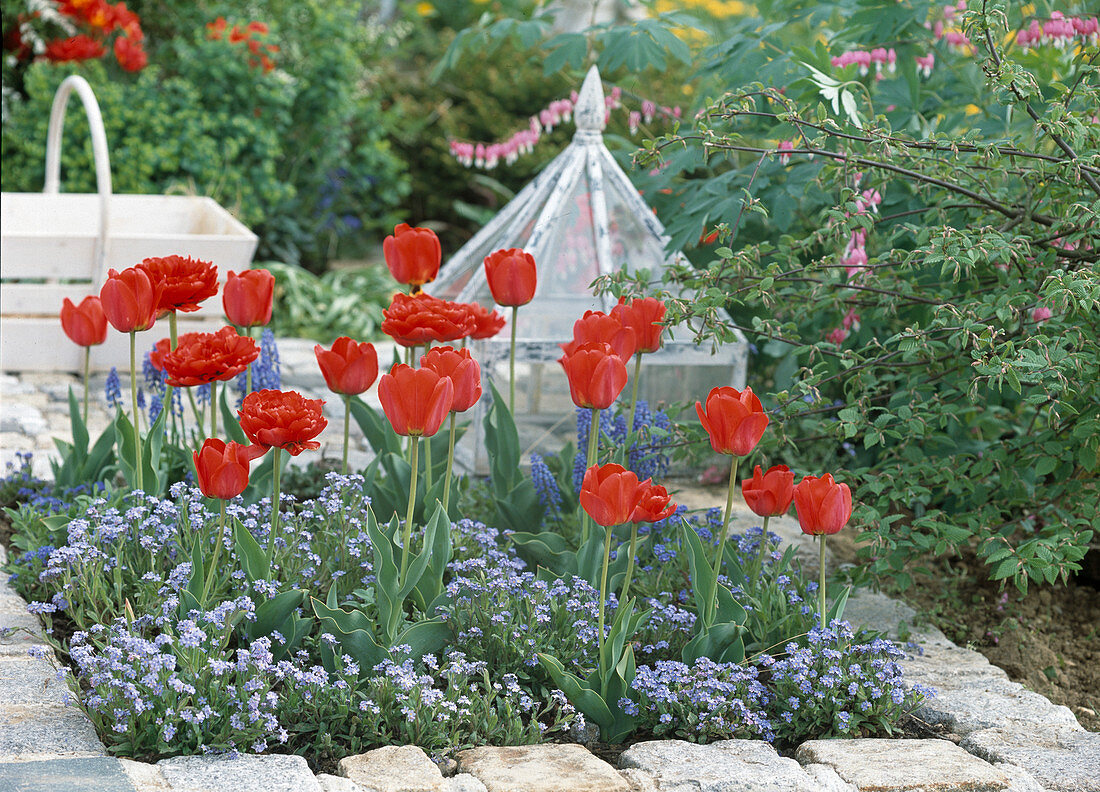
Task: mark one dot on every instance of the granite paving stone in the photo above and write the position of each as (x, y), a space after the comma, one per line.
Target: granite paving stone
(394, 768)
(984, 703)
(1064, 759)
(332, 783)
(949, 666)
(240, 774)
(540, 768)
(904, 765)
(88, 774)
(145, 777)
(25, 680)
(726, 766)
(30, 731)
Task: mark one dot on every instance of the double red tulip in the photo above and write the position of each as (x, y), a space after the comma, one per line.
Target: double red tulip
(769, 494)
(421, 319)
(654, 503)
(186, 282)
(610, 494)
(461, 369)
(823, 505)
(735, 420)
(282, 419)
(130, 300)
(222, 468)
(598, 326)
(645, 318)
(413, 255)
(164, 346)
(201, 358)
(512, 276)
(415, 400)
(84, 324)
(596, 375)
(349, 367)
(486, 323)
(247, 297)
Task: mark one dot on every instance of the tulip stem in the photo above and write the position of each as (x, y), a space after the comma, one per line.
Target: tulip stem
(821, 582)
(406, 534)
(603, 588)
(427, 463)
(512, 366)
(214, 558)
(214, 408)
(347, 427)
(200, 417)
(248, 371)
(275, 496)
(138, 462)
(87, 364)
(633, 406)
(630, 560)
(590, 460)
(450, 465)
(726, 519)
(173, 342)
(764, 545)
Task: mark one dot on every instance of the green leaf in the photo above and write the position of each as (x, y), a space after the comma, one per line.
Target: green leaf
(253, 558)
(230, 420)
(378, 432)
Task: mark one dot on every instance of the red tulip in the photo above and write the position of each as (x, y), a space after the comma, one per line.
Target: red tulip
(413, 255)
(512, 277)
(596, 375)
(461, 369)
(769, 494)
(222, 468)
(84, 324)
(349, 367)
(735, 420)
(486, 323)
(415, 400)
(598, 326)
(421, 319)
(823, 506)
(201, 358)
(644, 317)
(164, 346)
(247, 297)
(609, 494)
(282, 419)
(654, 503)
(130, 300)
(186, 282)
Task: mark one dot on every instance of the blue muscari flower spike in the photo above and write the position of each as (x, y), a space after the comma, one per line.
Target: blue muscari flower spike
(546, 486)
(113, 389)
(266, 374)
(202, 393)
(156, 407)
(154, 379)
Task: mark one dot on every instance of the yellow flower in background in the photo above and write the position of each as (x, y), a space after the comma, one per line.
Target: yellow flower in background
(1027, 10)
(718, 9)
(972, 109)
(425, 8)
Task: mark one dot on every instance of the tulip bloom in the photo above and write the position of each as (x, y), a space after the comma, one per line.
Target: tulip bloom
(247, 297)
(654, 503)
(222, 468)
(598, 326)
(283, 420)
(512, 277)
(201, 358)
(186, 282)
(823, 506)
(84, 324)
(769, 494)
(735, 420)
(130, 300)
(644, 317)
(415, 400)
(161, 349)
(596, 375)
(348, 367)
(413, 255)
(420, 319)
(461, 369)
(486, 323)
(609, 494)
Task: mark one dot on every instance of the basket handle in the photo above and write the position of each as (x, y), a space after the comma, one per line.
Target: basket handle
(99, 153)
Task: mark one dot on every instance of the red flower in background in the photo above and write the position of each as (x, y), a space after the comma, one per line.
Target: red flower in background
(598, 326)
(282, 419)
(512, 276)
(461, 369)
(735, 420)
(222, 468)
(130, 54)
(415, 400)
(185, 282)
(823, 506)
(769, 494)
(421, 319)
(209, 357)
(644, 317)
(348, 367)
(654, 503)
(130, 300)
(609, 494)
(486, 323)
(413, 255)
(75, 48)
(247, 297)
(84, 324)
(596, 375)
